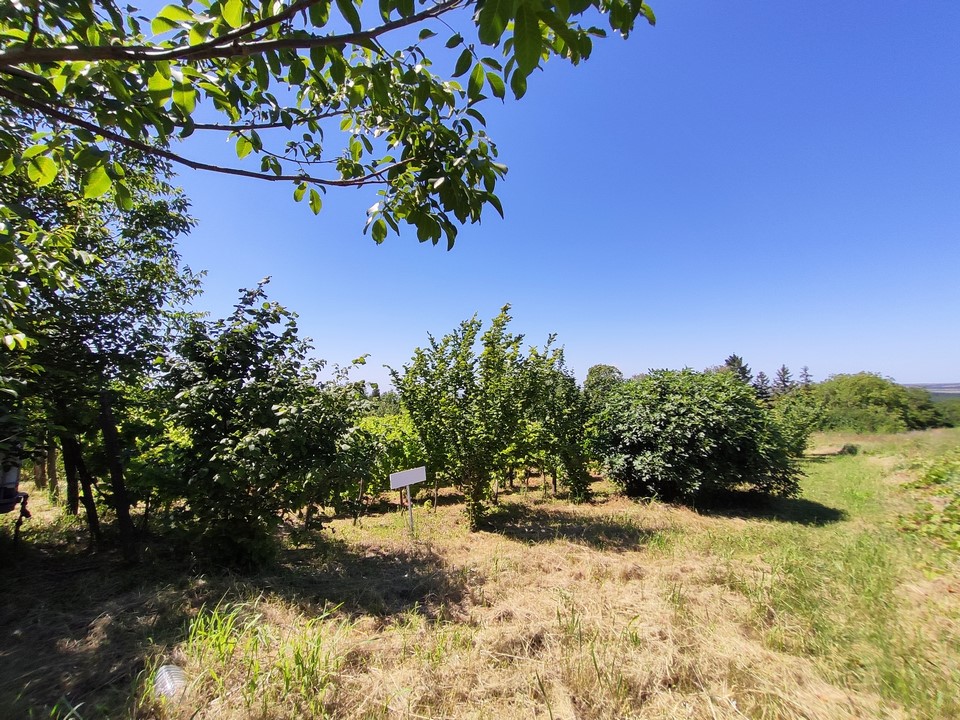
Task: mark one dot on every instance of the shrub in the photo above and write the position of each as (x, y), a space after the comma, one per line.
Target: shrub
(684, 434)
(259, 436)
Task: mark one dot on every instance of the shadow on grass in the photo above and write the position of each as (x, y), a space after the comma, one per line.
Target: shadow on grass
(369, 581)
(753, 505)
(519, 521)
(80, 630)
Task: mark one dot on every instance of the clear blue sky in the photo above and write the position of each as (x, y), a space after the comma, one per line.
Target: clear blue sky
(776, 180)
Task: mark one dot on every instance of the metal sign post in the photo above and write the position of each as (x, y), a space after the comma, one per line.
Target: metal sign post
(404, 479)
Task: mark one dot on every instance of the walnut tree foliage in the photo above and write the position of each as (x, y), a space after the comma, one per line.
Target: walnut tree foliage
(316, 93)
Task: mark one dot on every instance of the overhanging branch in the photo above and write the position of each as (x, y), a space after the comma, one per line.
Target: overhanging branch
(217, 48)
(373, 178)
(240, 127)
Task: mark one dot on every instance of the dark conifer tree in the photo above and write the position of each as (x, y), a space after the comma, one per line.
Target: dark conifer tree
(783, 381)
(762, 387)
(739, 368)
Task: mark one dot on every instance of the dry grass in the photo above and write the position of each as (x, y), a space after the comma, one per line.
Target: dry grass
(812, 608)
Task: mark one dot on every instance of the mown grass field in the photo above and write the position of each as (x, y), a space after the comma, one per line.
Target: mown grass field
(820, 607)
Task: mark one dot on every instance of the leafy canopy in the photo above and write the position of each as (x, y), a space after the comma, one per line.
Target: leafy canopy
(82, 77)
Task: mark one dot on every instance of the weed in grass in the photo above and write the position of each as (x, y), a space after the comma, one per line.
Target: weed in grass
(242, 662)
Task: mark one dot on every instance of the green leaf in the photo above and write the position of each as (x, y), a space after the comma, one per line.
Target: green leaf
(496, 85)
(297, 72)
(648, 13)
(476, 82)
(426, 33)
(350, 14)
(122, 195)
(495, 201)
(454, 40)
(199, 33)
(232, 13)
(33, 151)
(527, 40)
(299, 192)
(169, 18)
(379, 231)
(518, 83)
(159, 87)
(315, 202)
(338, 68)
(244, 147)
(492, 20)
(41, 170)
(185, 97)
(97, 182)
(320, 14)
(463, 63)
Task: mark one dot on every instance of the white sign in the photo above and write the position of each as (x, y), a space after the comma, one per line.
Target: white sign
(406, 478)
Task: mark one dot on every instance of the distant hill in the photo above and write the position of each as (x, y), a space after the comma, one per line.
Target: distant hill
(940, 391)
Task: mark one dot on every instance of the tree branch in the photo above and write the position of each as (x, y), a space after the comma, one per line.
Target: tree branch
(220, 50)
(256, 25)
(34, 24)
(375, 177)
(260, 126)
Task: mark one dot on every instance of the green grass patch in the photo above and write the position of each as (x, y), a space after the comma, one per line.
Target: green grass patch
(835, 591)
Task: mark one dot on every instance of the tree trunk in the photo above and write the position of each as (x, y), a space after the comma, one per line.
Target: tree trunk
(52, 479)
(71, 467)
(111, 446)
(76, 469)
(73, 488)
(39, 475)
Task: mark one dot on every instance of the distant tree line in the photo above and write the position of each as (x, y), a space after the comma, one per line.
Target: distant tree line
(861, 402)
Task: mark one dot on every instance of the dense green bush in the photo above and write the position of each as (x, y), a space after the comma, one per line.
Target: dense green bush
(260, 436)
(684, 434)
(866, 402)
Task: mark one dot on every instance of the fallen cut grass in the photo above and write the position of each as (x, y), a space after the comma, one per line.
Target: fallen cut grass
(816, 608)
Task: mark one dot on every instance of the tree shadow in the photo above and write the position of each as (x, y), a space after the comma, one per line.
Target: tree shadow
(524, 523)
(82, 629)
(751, 505)
(77, 629)
(370, 581)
